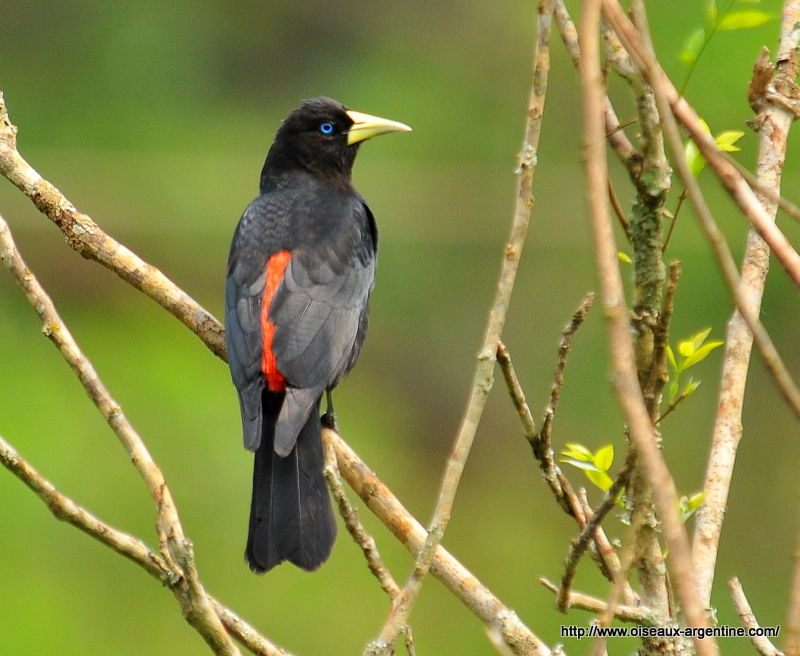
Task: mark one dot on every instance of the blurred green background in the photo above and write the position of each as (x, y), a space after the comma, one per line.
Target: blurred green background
(154, 118)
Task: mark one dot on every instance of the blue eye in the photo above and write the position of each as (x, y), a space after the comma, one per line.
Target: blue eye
(326, 128)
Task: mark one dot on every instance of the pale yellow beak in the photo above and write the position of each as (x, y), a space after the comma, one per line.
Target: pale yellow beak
(366, 126)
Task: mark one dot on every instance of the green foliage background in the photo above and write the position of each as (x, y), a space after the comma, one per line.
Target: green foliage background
(154, 118)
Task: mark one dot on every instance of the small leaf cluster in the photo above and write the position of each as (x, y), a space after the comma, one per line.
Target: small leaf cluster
(688, 505)
(690, 352)
(727, 20)
(595, 465)
(725, 141)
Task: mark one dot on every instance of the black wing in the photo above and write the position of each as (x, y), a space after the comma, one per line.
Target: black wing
(320, 313)
(319, 310)
(254, 241)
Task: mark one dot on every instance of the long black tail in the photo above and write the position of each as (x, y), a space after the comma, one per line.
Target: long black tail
(290, 515)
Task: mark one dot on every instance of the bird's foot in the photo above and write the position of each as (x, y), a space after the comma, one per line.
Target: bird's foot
(329, 418)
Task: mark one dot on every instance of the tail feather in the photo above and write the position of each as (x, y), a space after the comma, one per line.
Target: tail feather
(290, 515)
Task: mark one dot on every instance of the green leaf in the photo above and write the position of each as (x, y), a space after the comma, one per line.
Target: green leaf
(696, 499)
(743, 19)
(604, 457)
(689, 505)
(600, 479)
(704, 126)
(691, 153)
(692, 46)
(624, 257)
(674, 388)
(671, 358)
(700, 354)
(577, 451)
(686, 348)
(711, 11)
(726, 140)
(690, 387)
(580, 464)
(699, 338)
(694, 160)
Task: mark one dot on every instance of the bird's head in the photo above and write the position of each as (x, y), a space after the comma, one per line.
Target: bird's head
(323, 136)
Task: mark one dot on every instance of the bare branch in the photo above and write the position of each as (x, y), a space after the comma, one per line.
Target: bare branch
(622, 612)
(618, 211)
(517, 394)
(67, 510)
(176, 549)
(64, 508)
(88, 239)
(748, 619)
(625, 373)
(483, 379)
(601, 550)
(590, 532)
(462, 583)
(541, 441)
(774, 123)
(355, 528)
(545, 436)
(617, 139)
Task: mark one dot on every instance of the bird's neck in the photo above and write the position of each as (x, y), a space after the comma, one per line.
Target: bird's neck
(284, 163)
(284, 177)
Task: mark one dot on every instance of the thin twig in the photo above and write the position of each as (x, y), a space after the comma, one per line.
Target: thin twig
(602, 551)
(66, 509)
(545, 436)
(658, 372)
(176, 549)
(612, 567)
(728, 175)
(625, 374)
(774, 123)
(618, 211)
(627, 556)
(88, 239)
(460, 581)
(483, 379)
(617, 139)
(517, 395)
(357, 531)
(589, 532)
(663, 88)
(743, 609)
(363, 539)
(672, 406)
(622, 612)
(541, 441)
(762, 189)
(673, 220)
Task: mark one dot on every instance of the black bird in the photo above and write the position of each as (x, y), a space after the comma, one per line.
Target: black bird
(300, 272)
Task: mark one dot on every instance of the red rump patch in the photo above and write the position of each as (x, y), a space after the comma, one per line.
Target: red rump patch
(276, 266)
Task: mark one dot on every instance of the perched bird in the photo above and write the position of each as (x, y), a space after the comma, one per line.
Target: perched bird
(300, 272)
